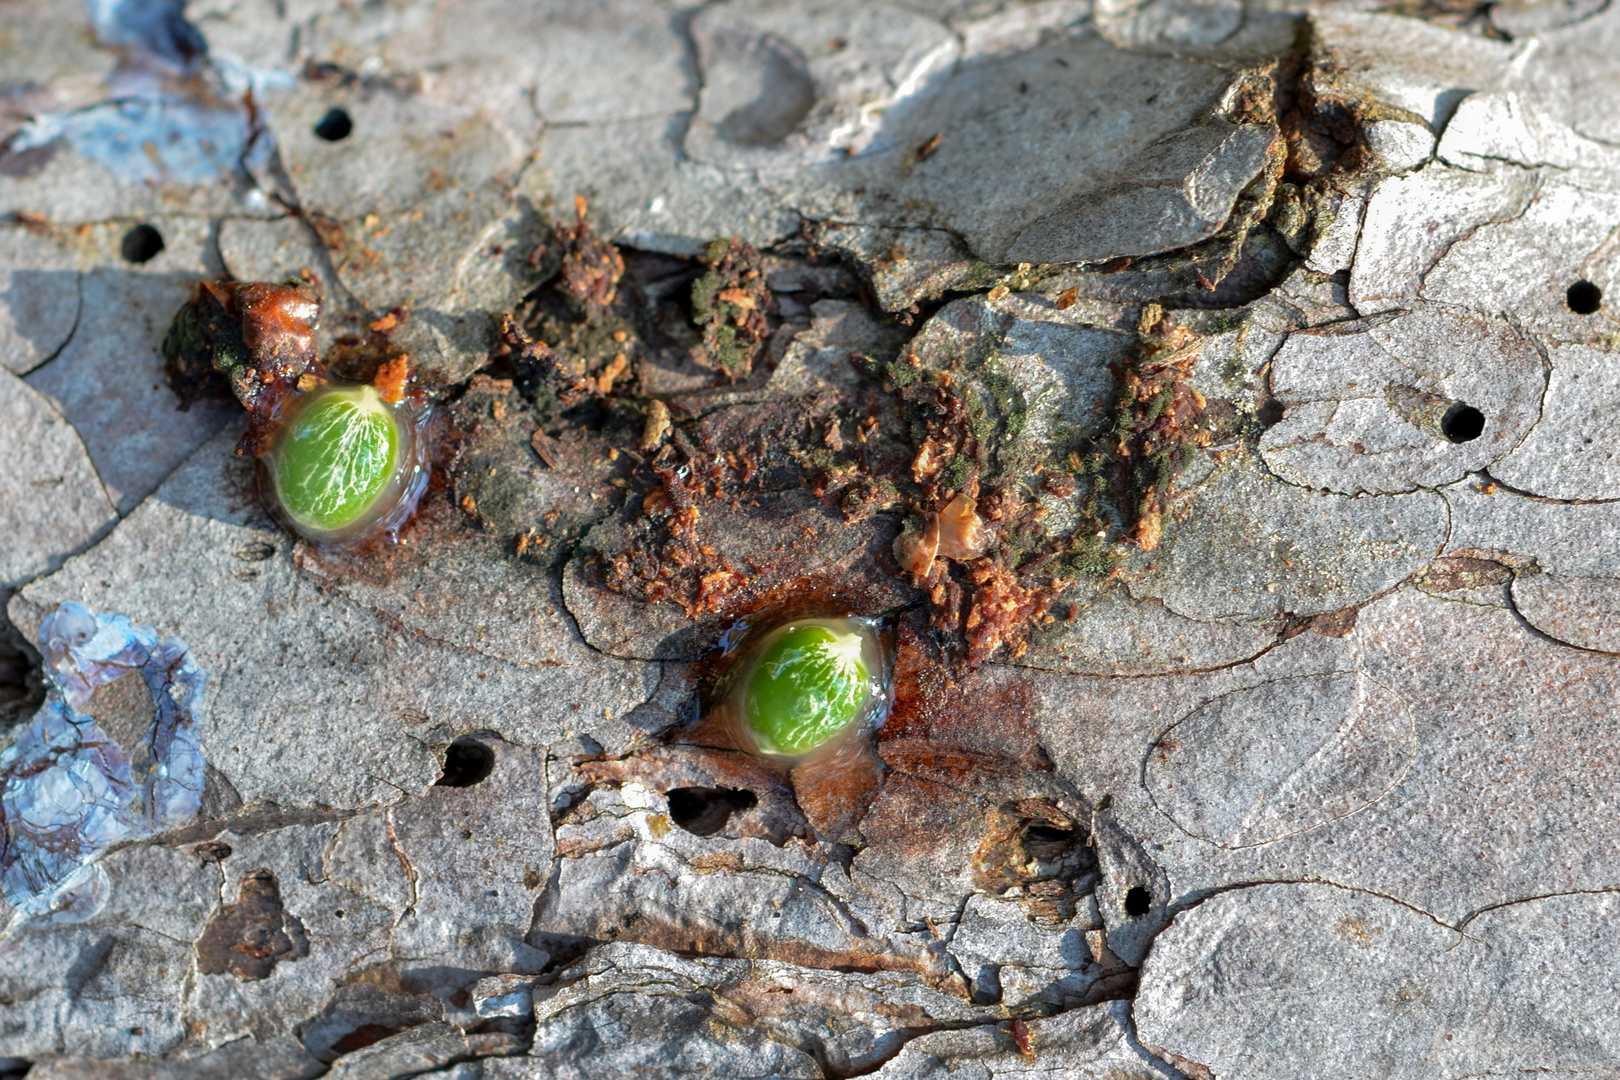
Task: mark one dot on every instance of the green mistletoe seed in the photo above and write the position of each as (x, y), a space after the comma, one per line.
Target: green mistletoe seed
(808, 685)
(336, 459)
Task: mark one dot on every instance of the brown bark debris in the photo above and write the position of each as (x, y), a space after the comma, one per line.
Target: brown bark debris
(248, 938)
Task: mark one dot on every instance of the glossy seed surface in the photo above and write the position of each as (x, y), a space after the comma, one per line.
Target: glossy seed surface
(336, 458)
(806, 687)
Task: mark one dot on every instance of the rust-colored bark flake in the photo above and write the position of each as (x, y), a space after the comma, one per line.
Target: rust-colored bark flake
(392, 377)
(945, 595)
(931, 459)
(715, 587)
(655, 429)
(916, 547)
(591, 266)
(258, 338)
(1021, 1039)
(1159, 424)
(963, 534)
(278, 322)
(1002, 613)
(248, 938)
(612, 373)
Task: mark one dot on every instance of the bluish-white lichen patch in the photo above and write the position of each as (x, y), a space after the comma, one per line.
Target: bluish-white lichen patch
(68, 791)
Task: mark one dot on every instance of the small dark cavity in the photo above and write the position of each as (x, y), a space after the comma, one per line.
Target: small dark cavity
(467, 763)
(141, 244)
(987, 987)
(1138, 901)
(335, 126)
(14, 1068)
(1584, 298)
(256, 552)
(1046, 834)
(704, 811)
(22, 687)
(562, 949)
(1270, 412)
(211, 851)
(1462, 423)
(363, 1036)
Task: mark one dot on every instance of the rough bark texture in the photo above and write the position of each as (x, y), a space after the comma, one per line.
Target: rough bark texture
(1215, 400)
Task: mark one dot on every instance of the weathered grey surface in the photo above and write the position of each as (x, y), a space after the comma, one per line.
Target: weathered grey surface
(1365, 403)
(1253, 547)
(42, 291)
(1519, 987)
(1318, 781)
(108, 377)
(46, 456)
(319, 700)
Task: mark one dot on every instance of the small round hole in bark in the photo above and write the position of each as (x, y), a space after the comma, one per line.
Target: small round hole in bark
(141, 244)
(335, 126)
(1046, 834)
(1462, 423)
(466, 763)
(1584, 297)
(1138, 901)
(704, 811)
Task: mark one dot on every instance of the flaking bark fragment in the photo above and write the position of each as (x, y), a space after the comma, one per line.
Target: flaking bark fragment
(248, 938)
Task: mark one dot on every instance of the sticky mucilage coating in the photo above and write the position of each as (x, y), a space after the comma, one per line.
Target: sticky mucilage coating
(809, 687)
(339, 461)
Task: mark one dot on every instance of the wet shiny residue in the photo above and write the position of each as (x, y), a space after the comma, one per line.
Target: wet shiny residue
(340, 461)
(68, 792)
(832, 779)
(345, 464)
(793, 707)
